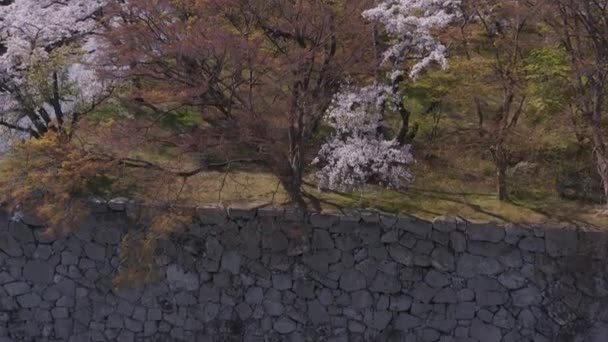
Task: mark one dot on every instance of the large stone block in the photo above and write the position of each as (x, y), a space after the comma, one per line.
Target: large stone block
(561, 242)
(485, 232)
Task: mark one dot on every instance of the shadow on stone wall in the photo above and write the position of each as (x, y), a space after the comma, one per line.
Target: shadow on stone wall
(278, 275)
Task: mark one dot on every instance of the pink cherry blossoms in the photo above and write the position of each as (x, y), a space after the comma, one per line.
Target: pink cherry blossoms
(358, 152)
(410, 25)
(30, 30)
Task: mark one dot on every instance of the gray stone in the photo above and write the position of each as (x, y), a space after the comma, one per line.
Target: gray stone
(385, 284)
(115, 321)
(484, 283)
(525, 297)
(178, 279)
(401, 254)
(254, 295)
(370, 216)
(317, 314)
(317, 261)
(323, 220)
(532, 244)
(95, 251)
(413, 225)
(355, 327)
(68, 258)
(504, 319)
(118, 203)
(16, 288)
(108, 236)
(133, 325)
(43, 252)
(5, 277)
(281, 282)
(471, 265)
(490, 298)
(446, 295)
(154, 314)
(242, 212)
(378, 320)
(458, 242)
(442, 259)
(436, 279)
(347, 243)
(60, 313)
(208, 293)
(125, 336)
(63, 328)
(325, 297)
(406, 322)
(9, 245)
(21, 232)
(30, 300)
(390, 237)
(464, 310)
(150, 328)
(322, 240)
(511, 258)
(526, 319)
(441, 323)
(38, 271)
(361, 300)
(561, 242)
(284, 325)
(212, 215)
(485, 332)
(423, 292)
(271, 212)
(304, 289)
(485, 232)
(244, 311)
(446, 224)
(352, 280)
(208, 312)
(512, 280)
(231, 262)
(400, 303)
(139, 314)
(273, 308)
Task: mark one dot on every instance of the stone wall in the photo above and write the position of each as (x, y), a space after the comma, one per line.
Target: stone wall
(275, 275)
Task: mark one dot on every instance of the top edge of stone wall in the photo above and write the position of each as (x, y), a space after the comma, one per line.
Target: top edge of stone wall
(557, 240)
(217, 214)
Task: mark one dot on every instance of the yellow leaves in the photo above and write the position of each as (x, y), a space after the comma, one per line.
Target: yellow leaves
(138, 248)
(48, 174)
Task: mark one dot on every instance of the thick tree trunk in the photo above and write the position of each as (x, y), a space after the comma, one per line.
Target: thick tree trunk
(292, 183)
(291, 175)
(501, 176)
(602, 168)
(601, 156)
(501, 162)
(599, 145)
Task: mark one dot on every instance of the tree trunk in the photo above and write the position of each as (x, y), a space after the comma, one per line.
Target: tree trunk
(602, 168)
(599, 145)
(292, 174)
(501, 161)
(601, 155)
(292, 183)
(501, 175)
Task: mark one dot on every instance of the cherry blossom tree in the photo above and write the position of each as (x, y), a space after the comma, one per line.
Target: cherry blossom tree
(358, 152)
(46, 51)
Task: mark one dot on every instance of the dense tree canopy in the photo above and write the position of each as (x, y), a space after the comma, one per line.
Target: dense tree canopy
(333, 95)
